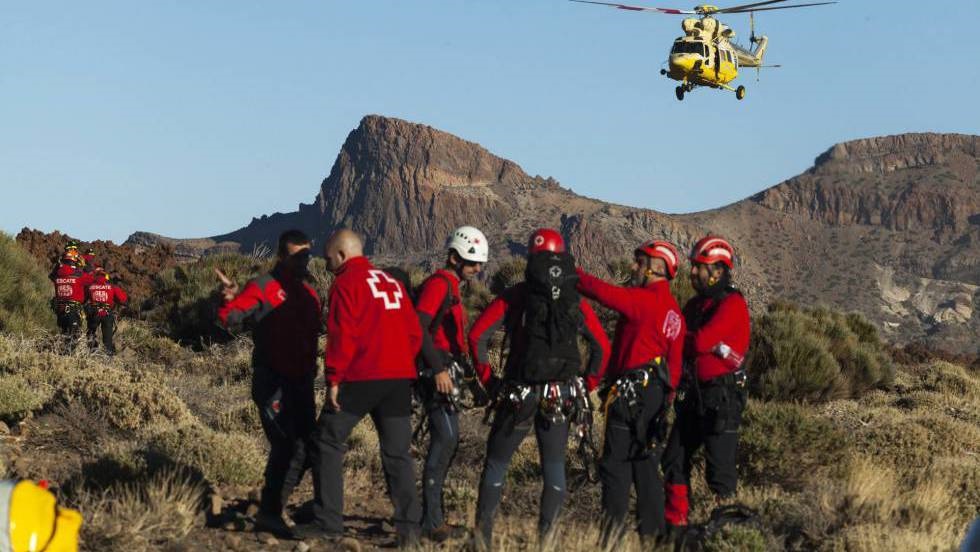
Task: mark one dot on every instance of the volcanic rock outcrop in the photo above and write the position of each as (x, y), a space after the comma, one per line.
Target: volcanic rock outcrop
(888, 226)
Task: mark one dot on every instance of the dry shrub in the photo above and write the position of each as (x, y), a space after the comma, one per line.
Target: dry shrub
(241, 416)
(962, 478)
(787, 444)
(186, 297)
(867, 494)
(150, 347)
(815, 355)
(880, 537)
(17, 399)
(25, 291)
(140, 516)
(131, 401)
(509, 273)
(219, 457)
(948, 379)
(130, 398)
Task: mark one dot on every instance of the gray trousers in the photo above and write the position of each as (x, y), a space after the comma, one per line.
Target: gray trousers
(389, 403)
(443, 442)
(509, 429)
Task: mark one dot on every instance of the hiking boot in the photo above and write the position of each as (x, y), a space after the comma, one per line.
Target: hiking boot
(303, 514)
(272, 523)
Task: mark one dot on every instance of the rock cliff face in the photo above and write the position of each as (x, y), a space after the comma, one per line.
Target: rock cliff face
(889, 226)
(916, 182)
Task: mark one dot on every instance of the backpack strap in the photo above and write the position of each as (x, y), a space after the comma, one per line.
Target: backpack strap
(448, 301)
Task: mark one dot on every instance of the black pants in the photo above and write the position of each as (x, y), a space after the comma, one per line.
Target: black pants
(107, 323)
(443, 441)
(288, 412)
(389, 403)
(628, 461)
(510, 426)
(712, 422)
(70, 325)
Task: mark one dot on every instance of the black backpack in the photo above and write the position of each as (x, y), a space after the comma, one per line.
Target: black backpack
(552, 318)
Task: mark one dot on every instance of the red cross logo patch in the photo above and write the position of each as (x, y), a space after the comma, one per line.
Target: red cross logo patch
(386, 288)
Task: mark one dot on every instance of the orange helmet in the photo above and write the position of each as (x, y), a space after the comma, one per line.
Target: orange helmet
(713, 249)
(659, 249)
(545, 239)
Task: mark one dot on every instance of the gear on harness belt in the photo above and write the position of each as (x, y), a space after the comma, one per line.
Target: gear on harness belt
(626, 395)
(583, 419)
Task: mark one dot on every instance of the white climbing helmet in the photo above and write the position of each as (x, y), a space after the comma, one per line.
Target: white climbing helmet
(470, 244)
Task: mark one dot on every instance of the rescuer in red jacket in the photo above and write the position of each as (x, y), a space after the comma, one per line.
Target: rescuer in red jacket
(70, 282)
(644, 370)
(373, 336)
(444, 354)
(527, 396)
(712, 394)
(101, 299)
(287, 321)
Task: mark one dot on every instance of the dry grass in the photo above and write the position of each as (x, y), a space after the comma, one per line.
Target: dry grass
(218, 457)
(896, 468)
(142, 516)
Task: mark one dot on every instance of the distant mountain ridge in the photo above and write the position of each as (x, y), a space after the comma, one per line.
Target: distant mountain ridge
(889, 226)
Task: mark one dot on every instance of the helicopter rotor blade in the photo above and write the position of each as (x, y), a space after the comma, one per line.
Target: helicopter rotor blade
(750, 10)
(670, 11)
(744, 6)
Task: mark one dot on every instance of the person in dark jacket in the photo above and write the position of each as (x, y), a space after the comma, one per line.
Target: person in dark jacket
(644, 370)
(287, 321)
(522, 404)
(712, 396)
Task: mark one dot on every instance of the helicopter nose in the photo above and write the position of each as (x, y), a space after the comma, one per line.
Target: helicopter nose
(683, 63)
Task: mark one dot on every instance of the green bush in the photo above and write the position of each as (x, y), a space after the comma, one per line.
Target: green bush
(25, 291)
(736, 538)
(219, 457)
(17, 398)
(815, 355)
(187, 297)
(787, 360)
(786, 444)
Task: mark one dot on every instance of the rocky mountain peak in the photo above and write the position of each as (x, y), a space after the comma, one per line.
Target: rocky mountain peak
(912, 182)
(884, 154)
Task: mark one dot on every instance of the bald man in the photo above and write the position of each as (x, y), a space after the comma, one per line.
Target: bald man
(373, 336)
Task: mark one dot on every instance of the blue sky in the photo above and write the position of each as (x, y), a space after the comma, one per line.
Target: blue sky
(189, 118)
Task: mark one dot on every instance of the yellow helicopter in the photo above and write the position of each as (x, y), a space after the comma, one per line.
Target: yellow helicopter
(706, 55)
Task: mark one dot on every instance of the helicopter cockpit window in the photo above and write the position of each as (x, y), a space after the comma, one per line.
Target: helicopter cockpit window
(681, 47)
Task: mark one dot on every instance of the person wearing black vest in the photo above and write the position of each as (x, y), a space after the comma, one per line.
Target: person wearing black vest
(443, 320)
(711, 396)
(541, 386)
